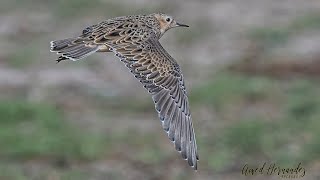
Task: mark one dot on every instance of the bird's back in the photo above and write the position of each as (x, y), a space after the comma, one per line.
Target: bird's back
(93, 38)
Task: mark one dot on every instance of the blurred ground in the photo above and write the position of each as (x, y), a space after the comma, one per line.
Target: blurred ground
(251, 67)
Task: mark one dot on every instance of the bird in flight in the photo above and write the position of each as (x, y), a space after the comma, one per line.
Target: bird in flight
(135, 41)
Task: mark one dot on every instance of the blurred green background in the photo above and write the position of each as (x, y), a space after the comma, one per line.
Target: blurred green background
(251, 67)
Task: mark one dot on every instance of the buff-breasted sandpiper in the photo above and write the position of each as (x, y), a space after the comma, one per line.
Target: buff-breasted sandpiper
(134, 39)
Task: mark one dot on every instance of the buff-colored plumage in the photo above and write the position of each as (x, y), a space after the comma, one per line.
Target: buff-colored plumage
(134, 39)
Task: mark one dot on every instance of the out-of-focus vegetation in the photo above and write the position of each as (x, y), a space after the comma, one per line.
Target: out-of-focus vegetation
(272, 37)
(286, 133)
(31, 130)
(253, 89)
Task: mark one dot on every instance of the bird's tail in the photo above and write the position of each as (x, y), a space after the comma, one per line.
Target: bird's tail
(72, 48)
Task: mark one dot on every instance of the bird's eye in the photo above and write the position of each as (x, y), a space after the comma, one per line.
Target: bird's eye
(168, 19)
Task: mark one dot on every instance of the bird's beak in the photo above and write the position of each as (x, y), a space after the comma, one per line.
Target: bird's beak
(182, 25)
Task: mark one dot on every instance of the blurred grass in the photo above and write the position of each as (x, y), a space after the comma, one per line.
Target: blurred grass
(9, 172)
(226, 88)
(21, 58)
(68, 8)
(271, 37)
(28, 130)
(32, 131)
(293, 136)
(73, 8)
(79, 8)
(197, 31)
(134, 105)
(274, 36)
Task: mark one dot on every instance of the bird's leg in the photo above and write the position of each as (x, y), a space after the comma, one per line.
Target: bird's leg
(61, 58)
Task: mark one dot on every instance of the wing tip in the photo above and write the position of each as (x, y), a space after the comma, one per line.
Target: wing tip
(52, 46)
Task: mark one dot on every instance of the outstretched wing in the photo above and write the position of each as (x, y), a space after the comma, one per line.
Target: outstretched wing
(161, 76)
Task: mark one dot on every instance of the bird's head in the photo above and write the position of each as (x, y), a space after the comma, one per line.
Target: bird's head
(167, 22)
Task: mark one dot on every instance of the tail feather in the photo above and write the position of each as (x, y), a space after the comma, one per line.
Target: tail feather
(68, 49)
(79, 52)
(59, 44)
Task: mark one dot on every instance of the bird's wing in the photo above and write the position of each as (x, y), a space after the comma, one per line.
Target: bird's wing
(161, 76)
(83, 45)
